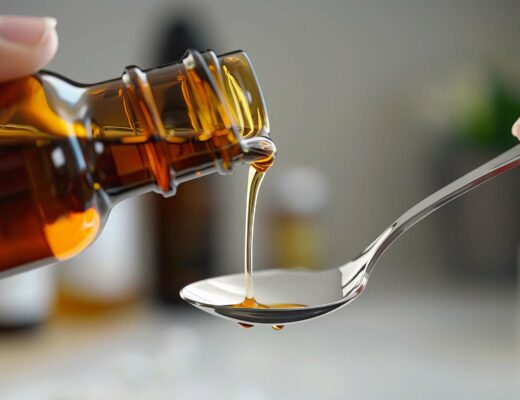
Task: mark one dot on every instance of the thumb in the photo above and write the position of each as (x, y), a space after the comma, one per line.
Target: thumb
(26, 45)
(516, 128)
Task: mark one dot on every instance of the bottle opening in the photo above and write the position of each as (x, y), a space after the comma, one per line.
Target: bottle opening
(260, 152)
(196, 114)
(244, 95)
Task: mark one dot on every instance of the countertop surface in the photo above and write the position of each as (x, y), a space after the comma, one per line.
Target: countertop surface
(405, 344)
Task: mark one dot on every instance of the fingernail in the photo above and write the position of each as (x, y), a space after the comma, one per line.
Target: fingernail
(26, 31)
(516, 128)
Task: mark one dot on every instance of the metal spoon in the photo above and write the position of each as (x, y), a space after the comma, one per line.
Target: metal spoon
(320, 292)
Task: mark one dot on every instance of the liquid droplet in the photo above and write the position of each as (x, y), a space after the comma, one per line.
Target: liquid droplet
(277, 327)
(245, 325)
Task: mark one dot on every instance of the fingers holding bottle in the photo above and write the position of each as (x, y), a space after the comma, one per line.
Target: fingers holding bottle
(516, 128)
(26, 44)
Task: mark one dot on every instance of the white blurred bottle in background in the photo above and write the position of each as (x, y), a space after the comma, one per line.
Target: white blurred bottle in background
(297, 238)
(111, 272)
(26, 299)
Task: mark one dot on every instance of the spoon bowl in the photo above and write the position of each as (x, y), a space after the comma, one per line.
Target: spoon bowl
(287, 296)
(315, 292)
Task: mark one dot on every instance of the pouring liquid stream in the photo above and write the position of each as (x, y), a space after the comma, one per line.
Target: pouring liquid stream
(256, 176)
(254, 181)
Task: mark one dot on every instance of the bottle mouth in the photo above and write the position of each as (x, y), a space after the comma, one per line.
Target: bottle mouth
(259, 151)
(233, 81)
(235, 104)
(244, 95)
(206, 107)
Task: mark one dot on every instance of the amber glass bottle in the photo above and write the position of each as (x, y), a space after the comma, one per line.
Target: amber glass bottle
(69, 152)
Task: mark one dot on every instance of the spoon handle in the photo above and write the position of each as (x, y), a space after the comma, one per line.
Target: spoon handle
(503, 163)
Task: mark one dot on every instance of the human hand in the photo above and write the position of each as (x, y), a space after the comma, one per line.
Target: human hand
(516, 128)
(26, 45)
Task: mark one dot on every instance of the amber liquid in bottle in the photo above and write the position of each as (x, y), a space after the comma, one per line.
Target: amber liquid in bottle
(69, 152)
(49, 204)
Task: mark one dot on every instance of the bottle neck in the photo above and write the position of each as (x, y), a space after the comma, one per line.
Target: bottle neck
(136, 147)
(154, 129)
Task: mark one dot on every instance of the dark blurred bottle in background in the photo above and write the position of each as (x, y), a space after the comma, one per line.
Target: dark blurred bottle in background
(185, 222)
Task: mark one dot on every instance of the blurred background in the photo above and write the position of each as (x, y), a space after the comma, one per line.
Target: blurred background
(373, 106)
